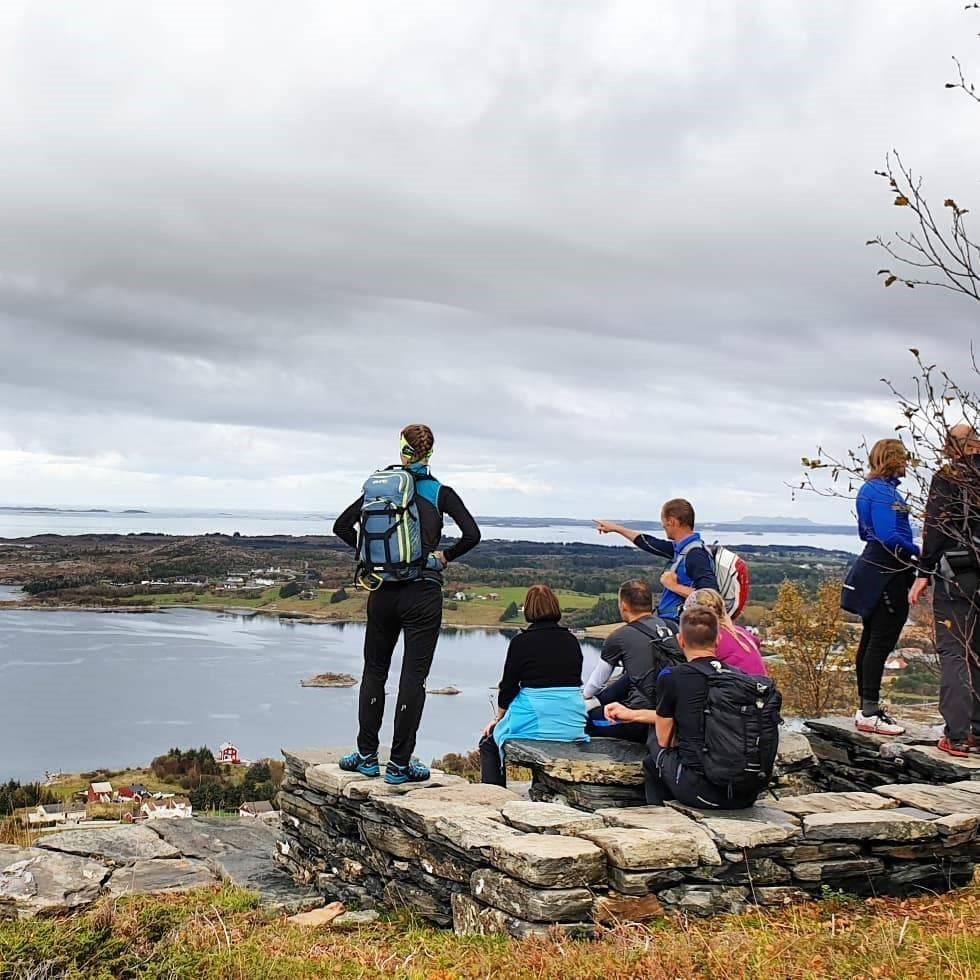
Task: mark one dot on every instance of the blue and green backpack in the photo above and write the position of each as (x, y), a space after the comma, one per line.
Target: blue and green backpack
(389, 547)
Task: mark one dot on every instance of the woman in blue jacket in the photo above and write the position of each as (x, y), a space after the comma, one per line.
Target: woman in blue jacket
(877, 585)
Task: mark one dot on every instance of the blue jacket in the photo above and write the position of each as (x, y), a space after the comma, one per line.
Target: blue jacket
(883, 524)
(883, 516)
(695, 569)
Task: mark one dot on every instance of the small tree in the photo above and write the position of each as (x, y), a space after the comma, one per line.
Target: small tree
(810, 634)
(289, 590)
(510, 613)
(339, 596)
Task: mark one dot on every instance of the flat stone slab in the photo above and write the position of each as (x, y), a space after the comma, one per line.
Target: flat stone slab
(867, 825)
(301, 759)
(645, 850)
(794, 751)
(602, 761)
(841, 729)
(967, 786)
(614, 908)
(473, 918)
(549, 818)
(369, 789)
(241, 852)
(666, 820)
(473, 834)
(35, 881)
(816, 872)
(549, 860)
(423, 814)
(121, 844)
(157, 876)
(706, 899)
(755, 826)
(534, 904)
(802, 806)
(940, 766)
(201, 838)
(941, 800)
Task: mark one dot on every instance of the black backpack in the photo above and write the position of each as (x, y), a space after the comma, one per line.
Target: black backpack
(665, 652)
(741, 728)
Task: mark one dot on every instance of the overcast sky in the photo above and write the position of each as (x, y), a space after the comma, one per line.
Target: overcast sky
(610, 252)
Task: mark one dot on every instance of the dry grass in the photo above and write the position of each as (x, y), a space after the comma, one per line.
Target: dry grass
(220, 934)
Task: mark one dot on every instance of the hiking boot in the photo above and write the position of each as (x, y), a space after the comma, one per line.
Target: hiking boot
(366, 765)
(877, 724)
(973, 744)
(959, 750)
(414, 772)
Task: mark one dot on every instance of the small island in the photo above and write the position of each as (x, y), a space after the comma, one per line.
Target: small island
(329, 680)
(445, 690)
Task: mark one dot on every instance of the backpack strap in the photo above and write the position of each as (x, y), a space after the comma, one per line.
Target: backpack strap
(686, 550)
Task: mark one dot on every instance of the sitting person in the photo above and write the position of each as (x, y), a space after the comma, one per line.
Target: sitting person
(675, 767)
(737, 647)
(690, 565)
(641, 648)
(540, 696)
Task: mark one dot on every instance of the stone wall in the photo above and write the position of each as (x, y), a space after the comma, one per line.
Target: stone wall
(483, 860)
(851, 760)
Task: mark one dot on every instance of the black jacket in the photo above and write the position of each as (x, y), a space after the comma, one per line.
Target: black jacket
(543, 655)
(954, 500)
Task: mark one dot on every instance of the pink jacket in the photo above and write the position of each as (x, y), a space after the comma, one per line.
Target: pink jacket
(732, 653)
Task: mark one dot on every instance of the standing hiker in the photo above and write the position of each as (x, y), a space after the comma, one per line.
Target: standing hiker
(951, 563)
(877, 585)
(691, 566)
(399, 520)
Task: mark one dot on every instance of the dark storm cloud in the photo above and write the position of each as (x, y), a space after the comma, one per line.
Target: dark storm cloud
(244, 243)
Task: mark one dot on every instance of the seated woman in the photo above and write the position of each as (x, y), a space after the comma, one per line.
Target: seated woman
(737, 647)
(540, 695)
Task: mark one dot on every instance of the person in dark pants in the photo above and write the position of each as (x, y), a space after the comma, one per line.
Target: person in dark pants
(877, 585)
(540, 696)
(674, 768)
(639, 649)
(690, 566)
(951, 562)
(411, 608)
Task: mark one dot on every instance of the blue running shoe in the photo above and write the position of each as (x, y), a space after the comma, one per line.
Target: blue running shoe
(414, 772)
(366, 765)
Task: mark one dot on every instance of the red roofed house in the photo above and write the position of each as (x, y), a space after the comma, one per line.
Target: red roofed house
(228, 754)
(99, 793)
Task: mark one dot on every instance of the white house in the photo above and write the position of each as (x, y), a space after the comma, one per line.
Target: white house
(174, 808)
(459, 597)
(52, 814)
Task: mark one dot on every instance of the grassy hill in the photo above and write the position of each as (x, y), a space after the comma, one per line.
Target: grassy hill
(222, 934)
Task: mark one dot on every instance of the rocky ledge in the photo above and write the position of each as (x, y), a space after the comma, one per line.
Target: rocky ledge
(69, 870)
(608, 772)
(852, 760)
(482, 860)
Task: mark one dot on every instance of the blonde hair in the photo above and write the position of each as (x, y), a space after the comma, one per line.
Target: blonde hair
(710, 599)
(886, 458)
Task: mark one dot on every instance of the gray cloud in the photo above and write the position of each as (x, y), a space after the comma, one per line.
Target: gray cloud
(610, 252)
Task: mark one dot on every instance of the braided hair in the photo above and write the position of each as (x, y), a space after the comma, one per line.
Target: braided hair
(421, 440)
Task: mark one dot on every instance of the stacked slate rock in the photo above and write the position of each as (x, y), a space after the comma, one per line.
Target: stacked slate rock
(608, 772)
(484, 861)
(852, 760)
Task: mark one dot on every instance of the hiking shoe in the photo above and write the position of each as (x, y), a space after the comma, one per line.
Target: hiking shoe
(414, 772)
(959, 750)
(973, 744)
(877, 724)
(366, 765)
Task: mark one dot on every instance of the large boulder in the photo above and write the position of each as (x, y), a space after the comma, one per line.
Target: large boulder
(117, 844)
(36, 881)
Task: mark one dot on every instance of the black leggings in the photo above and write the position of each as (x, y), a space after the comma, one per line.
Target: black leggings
(414, 609)
(881, 632)
(667, 778)
(491, 769)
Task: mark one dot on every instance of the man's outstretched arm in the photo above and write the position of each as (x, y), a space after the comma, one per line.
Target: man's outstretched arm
(656, 546)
